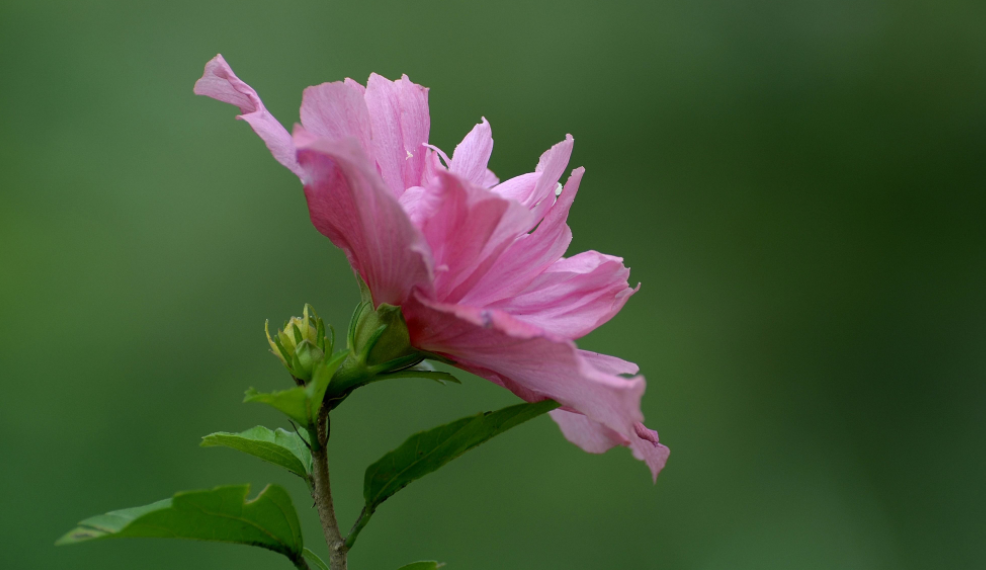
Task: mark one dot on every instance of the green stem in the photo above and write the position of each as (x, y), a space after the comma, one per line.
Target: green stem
(364, 517)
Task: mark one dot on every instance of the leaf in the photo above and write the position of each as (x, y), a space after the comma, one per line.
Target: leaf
(423, 565)
(426, 451)
(301, 403)
(222, 514)
(314, 559)
(293, 402)
(280, 447)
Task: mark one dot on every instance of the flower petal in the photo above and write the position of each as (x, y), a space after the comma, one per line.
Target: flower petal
(551, 166)
(220, 83)
(467, 229)
(530, 254)
(349, 204)
(472, 156)
(520, 188)
(573, 296)
(531, 363)
(336, 111)
(609, 364)
(400, 123)
(594, 437)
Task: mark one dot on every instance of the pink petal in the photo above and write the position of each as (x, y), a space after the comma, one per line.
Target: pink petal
(533, 364)
(349, 204)
(536, 190)
(520, 188)
(594, 437)
(400, 123)
(609, 364)
(573, 296)
(551, 165)
(591, 436)
(220, 83)
(355, 85)
(472, 155)
(336, 111)
(530, 254)
(467, 229)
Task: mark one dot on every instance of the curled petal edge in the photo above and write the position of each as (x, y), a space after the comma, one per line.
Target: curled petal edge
(536, 365)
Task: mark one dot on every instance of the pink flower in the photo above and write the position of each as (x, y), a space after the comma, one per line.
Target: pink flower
(476, 265)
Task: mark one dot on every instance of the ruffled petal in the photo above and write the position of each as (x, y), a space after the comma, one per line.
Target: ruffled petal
(399, 123)
(536, 190)
(520, 189)
(551, 166)
(349, 204)
(531, 363)
(573, 296)
(472, 156)
(595, 437)
(336, 111)
(220, 83)
(530, 254)
(609, 364)
(467, 229)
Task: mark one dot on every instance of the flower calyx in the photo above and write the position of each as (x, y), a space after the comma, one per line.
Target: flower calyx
(379, 339)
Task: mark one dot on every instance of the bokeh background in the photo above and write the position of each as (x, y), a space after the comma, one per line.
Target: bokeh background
(798, 185)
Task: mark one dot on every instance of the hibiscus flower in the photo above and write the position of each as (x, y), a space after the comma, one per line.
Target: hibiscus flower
(476, 265)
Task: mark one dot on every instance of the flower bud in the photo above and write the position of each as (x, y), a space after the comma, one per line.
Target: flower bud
(301, 344)
(380, 336)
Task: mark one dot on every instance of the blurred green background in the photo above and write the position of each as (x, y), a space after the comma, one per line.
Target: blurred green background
(798, 185)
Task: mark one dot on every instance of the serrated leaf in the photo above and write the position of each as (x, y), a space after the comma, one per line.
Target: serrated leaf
(427, 451)
(280, 447)
(301, 403)
(222, 514)
(423, 565)
(314, 559)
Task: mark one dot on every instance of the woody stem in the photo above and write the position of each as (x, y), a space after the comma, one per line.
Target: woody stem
(322, 493)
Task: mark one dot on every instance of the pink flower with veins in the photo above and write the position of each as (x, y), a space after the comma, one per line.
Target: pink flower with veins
(476, 265)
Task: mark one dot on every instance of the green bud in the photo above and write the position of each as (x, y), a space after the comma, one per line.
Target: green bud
(380, 337)
(301, 344)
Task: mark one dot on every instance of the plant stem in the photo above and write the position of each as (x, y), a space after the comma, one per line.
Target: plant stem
(322, 493)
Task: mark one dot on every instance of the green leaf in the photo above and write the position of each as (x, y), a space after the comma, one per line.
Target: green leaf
(280, 447)
(423, 565)
(314, 559)
(301, 403)
(222, 514)
(426, 451)
(293, 402)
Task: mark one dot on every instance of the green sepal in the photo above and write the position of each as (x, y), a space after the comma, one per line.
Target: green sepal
(427, 451)
(423, 565)
(315, 390)
(222, 514)
(364, 290)
(422, 370)
(280, 447)
(381, 336)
